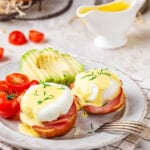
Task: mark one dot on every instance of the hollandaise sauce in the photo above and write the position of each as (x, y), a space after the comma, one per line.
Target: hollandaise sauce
(96, 87)
(43, 102)
(109, 7)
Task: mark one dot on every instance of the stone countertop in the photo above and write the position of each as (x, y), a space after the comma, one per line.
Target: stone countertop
(67, 34)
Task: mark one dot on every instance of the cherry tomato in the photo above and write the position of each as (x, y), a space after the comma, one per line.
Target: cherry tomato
(17, 38)
(3, 83)
(111, 106)
(9, 106)
(4, 86)
(17, 82)
(1, 52)
(36, 36)
(34, 82)
(58, 127)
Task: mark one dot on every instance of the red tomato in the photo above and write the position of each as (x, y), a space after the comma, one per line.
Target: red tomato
(111, 106)
(34, 82)
(17, 38)
(36, 36)
(1, 52)
(9, 106)
(4, 86)
(3, 83)
(17, 82)
(58, 127)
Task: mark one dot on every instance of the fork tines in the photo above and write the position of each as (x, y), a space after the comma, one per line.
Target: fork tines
(122, 126)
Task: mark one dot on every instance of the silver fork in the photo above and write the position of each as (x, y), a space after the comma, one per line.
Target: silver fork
(137, 128)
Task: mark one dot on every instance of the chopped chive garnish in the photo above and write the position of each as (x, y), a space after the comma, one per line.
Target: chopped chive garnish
(91, 125)
(99, 73)
(75, 127)
(88, 75)
(44, 84)
(40, 102)
(44, 93)
(108, 74)
(11, 96)
(90, 132)
(46, 98)
(93, 78)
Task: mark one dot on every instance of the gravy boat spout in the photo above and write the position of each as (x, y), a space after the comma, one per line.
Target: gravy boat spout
(110, 22)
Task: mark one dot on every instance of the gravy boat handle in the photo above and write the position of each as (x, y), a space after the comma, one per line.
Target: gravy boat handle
(139, 4)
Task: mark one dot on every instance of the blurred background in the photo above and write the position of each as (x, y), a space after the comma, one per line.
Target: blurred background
(42, 9)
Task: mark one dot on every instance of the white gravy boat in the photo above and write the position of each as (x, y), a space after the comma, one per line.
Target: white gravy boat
(110, 27)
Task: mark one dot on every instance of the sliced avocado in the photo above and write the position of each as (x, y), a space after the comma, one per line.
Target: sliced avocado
(31, 67)
(49, 59)
(50, 65)
(59, 63)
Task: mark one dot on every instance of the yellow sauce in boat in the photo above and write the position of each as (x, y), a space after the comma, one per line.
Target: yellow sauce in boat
(109, 7)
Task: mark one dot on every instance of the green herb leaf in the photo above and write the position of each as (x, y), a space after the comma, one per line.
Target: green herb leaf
(11, 96)
(88, 75)
(44, 93)
(90, 132)
(99, 72)
(91, 125)
(108, 74)
(93, 78)
(46, 98)
(40, 102)
(44, 84)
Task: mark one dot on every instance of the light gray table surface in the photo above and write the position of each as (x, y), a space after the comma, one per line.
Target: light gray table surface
(68, 34)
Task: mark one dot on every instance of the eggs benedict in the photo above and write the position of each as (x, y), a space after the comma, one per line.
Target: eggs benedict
(47, 110)
(98, 91)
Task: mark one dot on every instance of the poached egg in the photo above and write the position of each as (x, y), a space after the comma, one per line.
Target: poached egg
(96, 87)
(43, 102)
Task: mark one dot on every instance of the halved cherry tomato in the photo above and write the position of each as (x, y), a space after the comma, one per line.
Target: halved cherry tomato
(9, 106)
(34, 82)
(36, 36)
(1, 52)
(58, 127)
(4, 86)
(17, 82)
(17, 38)
(111, 106)
(3, 83)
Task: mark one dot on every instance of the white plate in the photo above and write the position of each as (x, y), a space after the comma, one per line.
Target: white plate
(135, 111)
